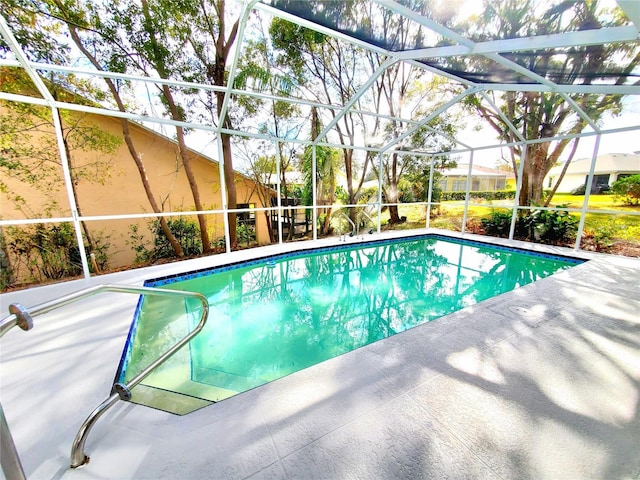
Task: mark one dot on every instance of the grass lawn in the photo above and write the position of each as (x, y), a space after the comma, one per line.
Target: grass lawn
(596, 202)
(603, 227)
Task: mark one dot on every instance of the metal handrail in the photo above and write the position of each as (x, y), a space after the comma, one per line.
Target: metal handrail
(22, 317)
(370, 220)
(11, 465)
(353, 225)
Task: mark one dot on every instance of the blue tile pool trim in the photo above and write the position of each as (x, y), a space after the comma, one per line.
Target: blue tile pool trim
(126, 354)
(267, 259)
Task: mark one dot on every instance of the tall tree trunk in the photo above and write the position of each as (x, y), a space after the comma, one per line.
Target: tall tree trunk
(525, 188)
(90, 243)
(348, 166)
(188, 170)
(394, 216)
(175, 244)
(563, 172)
(216, 72)
(393, 195)
(327, 221)
(177, 248)
(162, 69)
(524, 198)
(267, 217)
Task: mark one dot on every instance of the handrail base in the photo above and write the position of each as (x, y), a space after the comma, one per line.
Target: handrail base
(81, 464)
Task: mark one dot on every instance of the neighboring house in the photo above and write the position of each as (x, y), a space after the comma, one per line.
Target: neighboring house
(483, 179)
(609, 168)
(293, 179)
(121, 191)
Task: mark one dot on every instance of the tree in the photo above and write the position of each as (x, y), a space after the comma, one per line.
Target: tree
(257, 69)
(260, 170)
(137, 38)
(418, 178)
(331, 72)
(539, 115)
(209, 26)
(30, 163)
(402, 88)
(151, 38)
(28, 145)
(628, 188)
(126, 132)
(339, 70)
(34, 32)
(396, 165)
(175, 39)
(80, 21)
(325, 180)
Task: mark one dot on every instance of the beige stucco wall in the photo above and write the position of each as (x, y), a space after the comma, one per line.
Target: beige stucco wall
(114, 187)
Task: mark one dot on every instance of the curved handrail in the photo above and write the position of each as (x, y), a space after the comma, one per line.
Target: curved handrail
(20, 316)
(353, 225)
(373, 224)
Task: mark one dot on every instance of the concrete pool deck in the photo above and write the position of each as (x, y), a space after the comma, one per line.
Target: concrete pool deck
(542, 382)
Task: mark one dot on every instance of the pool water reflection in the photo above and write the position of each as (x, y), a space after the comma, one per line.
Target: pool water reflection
(286, 313)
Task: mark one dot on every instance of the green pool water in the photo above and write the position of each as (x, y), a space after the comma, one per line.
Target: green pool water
(278, 316)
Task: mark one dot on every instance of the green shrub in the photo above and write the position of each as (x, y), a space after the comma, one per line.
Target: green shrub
(498, 224)
(579, 190)
(342, 196)
(369, 194)
(186, 232)
(539, 225)
(49, 252)
(628, 188)
(488, 195)
(601, 235)
(139, 245)
(245, 233)
(551, 226)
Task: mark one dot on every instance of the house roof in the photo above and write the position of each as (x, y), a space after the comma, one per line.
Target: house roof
(292, 177)
(607, 163)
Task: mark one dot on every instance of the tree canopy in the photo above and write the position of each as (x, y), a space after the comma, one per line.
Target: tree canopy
(538, 115)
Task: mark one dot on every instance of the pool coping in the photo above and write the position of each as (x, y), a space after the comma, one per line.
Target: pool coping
(340, 418)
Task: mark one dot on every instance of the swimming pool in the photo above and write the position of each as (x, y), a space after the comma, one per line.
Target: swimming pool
(273, 316)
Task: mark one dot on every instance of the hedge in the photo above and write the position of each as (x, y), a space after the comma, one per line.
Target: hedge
(489, 195)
